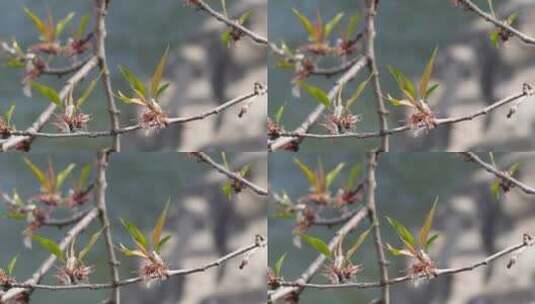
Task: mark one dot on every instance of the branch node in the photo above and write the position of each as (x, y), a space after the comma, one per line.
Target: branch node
(527, 89)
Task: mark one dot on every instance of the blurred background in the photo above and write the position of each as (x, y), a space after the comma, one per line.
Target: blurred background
(205, 226)
(471, 222)
(202, 71)
(471, 72)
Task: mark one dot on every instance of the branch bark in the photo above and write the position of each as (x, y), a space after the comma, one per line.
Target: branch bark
(527, 242)
(101, 10)
(203, 157)
(101, 187)
(471, 156)
(372, 215)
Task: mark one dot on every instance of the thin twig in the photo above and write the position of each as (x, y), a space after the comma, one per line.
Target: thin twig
(334, 221)
(64, 71)
(201, 156)
(101, 10)
(372, 215)
(234, 24)
(60, 223)
(439, 121)
(101, 186)
(259, 243)
(471, 156)
(170, 121)
(527, 242)
(523, 37)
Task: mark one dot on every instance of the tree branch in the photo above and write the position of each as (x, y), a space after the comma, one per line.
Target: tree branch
(489, 18)
(260, 242)
(313, 268)
(369, 33)
(101, 10)
(259, 91)
(234, 24)
(471, 156)
(527, 91)
(47, 113)
(315, 115)
(372, 215)
(203, 157)
(49, 262)
(101, 186)
(527, 242)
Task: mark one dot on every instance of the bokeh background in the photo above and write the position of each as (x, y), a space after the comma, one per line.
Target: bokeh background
(202, 71)
(472, 225)
(205, 225)
(471, 72)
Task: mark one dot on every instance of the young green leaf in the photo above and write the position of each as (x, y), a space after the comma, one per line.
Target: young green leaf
(495, 189)
(426, 76)
(129, 100)
(245, 170)
(358, 92)
(362, 237)
(431, 90)
(514, 167)
(494, 37)
(404, 83)
(226, 38)
(11, 266)
(317, 244)
(158, 74)
(278, 265)
(331, 25)
(404, 234)
(245, 16)
(63, 23)
(135, 83)
(51, 246)
(318, 94)
(8, 115)
(129, 252)
(307, 24)
(331, 176)
(397, 251)
(225, 161)
(157, 231)
(491, 8)
(48, 92)
(82, 26)
(352, 26)
(60, 178)
(39, 24)
(430, 241)
(38, 173)
(162, 243)
(353, 175)
(224, 7)
(279, 114)
(428, 224)
(307, 171)
(94, 238)
(227, 190)
(137, 236)
(87, 92)
(161, 90)
(512, 18)
(84, 176)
